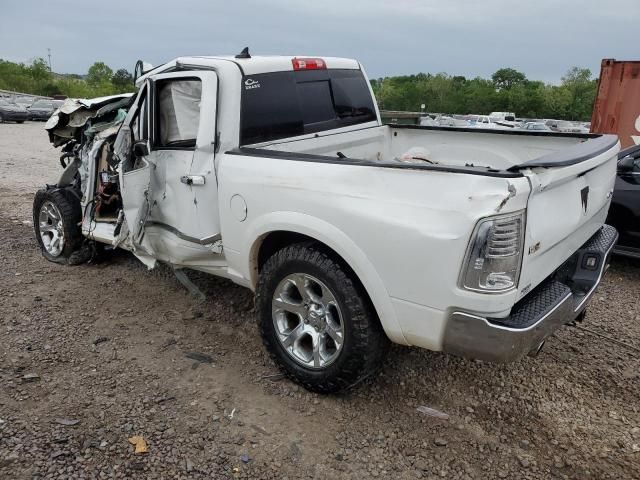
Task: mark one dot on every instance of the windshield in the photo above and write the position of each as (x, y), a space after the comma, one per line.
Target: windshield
(42, 104)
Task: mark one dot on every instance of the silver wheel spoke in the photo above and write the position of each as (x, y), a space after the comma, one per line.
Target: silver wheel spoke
(335, 334)
(316, 351)
(51, 226)
(295, 334)
(297, 308)
(301, 284)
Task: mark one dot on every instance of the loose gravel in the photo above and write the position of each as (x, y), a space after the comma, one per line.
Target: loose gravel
(94, 355)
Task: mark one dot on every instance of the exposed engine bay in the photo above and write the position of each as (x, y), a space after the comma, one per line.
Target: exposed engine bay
(86, 131)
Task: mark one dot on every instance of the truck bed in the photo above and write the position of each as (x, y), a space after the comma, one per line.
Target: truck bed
(490, 151)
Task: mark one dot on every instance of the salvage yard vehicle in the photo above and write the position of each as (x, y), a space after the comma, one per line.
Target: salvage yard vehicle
(624, 213)
(12, 112)
(41, 110)
(277, 173)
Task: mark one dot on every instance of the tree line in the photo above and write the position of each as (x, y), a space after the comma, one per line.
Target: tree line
(508, 90)
(36, 78)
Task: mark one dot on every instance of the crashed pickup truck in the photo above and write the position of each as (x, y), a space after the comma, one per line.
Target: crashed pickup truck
(278, 174)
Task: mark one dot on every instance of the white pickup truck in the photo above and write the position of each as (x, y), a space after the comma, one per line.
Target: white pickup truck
(277, 173)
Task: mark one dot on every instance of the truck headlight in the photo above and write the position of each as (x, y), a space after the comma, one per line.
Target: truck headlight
(494, 255)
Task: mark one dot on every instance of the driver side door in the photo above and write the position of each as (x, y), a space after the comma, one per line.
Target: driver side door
(171, 204)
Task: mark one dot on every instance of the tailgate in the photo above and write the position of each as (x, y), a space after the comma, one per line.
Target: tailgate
(570, 195)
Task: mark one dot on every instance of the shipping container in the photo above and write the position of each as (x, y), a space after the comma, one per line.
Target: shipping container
(617, 106)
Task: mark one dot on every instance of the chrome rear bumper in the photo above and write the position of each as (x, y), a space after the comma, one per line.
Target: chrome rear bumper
(560, 299)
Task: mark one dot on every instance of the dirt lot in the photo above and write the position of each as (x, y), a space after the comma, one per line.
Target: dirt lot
(93, 355)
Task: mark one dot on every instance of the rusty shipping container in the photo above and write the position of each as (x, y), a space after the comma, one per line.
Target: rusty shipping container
(617, 106)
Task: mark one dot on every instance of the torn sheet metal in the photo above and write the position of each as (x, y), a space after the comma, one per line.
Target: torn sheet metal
(76, 112)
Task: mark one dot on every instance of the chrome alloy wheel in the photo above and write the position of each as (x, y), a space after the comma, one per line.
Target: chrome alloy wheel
(307, 320)
(51, 228)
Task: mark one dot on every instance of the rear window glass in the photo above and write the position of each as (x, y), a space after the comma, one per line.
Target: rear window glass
(318, 105)
(287, 104)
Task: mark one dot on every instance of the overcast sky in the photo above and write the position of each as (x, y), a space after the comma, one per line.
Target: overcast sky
(542, 38)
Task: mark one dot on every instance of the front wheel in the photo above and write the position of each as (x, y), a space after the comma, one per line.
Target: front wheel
(316, 321)
(56, 221)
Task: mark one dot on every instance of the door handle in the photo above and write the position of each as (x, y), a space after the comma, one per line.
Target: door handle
(192, 179)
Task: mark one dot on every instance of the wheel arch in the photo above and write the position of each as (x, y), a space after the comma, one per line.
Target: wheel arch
(285, 228)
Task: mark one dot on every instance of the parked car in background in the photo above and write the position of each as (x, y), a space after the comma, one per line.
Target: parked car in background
(57, 103)
(486, 121)
(24, 102)
(503, 116)
(450, 121)
(624, 213)
(12, 112)
(41, 110)
(564, 126)
(535, 127)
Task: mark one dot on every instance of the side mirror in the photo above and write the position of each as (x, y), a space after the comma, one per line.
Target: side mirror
(626, 164)
(140, 149)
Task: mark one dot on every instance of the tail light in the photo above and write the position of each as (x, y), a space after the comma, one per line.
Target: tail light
(494, 256)
(308, 64)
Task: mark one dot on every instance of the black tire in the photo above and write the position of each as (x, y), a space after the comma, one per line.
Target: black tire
(75, 250)
(364, 343)
(1, 118)
(19, 121)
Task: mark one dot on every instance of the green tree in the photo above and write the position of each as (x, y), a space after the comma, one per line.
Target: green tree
(123, 81)
(99, 74)
(39, 70)
(506, 78)
(582, 90)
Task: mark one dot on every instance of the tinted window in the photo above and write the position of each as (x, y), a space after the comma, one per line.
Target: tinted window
(351, 95)
(270, 108)
(318, 104)
(287, 104)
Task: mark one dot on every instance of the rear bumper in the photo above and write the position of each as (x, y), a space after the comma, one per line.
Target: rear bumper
(558, 300)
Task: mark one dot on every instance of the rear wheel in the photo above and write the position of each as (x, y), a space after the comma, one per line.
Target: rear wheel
(316, 321)
(1, 118)
(56, 220)
(19, 121)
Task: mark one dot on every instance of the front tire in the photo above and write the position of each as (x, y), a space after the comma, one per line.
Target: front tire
(56, 221)
(316, 321)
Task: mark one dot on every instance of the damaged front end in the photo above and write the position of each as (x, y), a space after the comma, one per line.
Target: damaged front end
(86, 130)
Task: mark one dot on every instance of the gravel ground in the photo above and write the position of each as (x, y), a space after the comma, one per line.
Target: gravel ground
(93, 355)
